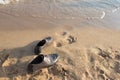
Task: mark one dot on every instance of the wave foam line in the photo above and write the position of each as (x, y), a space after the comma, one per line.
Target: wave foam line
(7, 1)
(103, 15)
(114, 10)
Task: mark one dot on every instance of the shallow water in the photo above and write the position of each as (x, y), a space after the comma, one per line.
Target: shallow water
(103, 13)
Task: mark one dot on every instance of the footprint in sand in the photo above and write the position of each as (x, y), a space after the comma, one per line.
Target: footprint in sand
(103, 53)
(63, 39)
(102, 64)
(101, 74)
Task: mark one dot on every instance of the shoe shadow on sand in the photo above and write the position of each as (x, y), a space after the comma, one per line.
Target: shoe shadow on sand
(13, 62)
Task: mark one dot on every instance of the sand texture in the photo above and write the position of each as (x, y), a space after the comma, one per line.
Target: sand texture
(85, 54)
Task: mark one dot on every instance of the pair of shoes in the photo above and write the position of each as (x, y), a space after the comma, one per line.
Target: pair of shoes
(42, 61)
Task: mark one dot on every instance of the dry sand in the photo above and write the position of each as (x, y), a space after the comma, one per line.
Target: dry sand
(94, 54)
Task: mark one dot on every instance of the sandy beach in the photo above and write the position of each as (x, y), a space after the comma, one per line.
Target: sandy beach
(87, 39)
(93, 56)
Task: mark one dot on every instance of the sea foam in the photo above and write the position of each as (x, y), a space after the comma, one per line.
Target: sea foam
(7, 1)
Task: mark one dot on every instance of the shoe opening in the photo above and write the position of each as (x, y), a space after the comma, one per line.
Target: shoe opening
(41, 43)
(38, 59)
